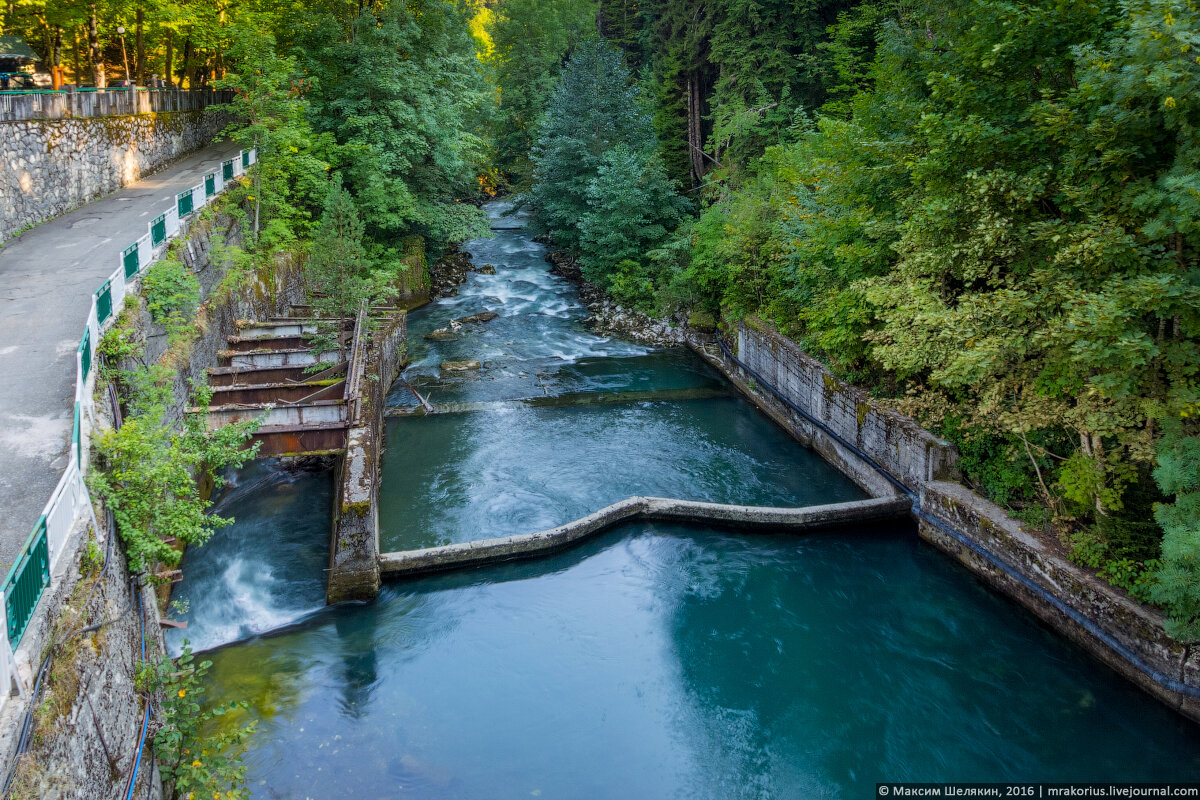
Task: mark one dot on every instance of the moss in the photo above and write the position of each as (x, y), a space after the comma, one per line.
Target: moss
(863, 409)
(702, 321)
(360, 509)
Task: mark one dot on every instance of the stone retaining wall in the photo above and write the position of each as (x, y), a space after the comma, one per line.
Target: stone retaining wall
(103, 710)
(911, 454)
(48, 167)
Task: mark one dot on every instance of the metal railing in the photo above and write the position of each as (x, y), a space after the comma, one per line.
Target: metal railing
(33, 571)
(17, 106)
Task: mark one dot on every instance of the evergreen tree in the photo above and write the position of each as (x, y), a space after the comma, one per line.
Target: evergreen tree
(338, 272)
(594, 108)
(531, 40)
(1177, 585)
(632, 208)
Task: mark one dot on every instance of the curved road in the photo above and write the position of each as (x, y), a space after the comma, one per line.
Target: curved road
(47, 276)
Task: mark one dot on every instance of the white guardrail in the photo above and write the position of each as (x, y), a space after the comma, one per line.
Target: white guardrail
(33, 571)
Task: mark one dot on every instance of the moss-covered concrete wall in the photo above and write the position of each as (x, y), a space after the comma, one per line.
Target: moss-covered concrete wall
(354, 552)
(1027, 565)
(48, 167)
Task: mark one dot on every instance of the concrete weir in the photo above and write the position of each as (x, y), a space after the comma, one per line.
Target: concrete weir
(532, 545)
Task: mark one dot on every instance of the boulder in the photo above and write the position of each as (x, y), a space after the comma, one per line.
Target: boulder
(459, 366)
(486, 316)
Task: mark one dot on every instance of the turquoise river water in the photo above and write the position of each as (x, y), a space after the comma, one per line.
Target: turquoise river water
(654, 661)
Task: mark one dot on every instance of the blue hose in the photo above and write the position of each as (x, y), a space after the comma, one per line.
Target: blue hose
(146, 719)
(1162, 679)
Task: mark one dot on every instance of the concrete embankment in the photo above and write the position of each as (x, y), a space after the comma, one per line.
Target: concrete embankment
(353, 553)
(887, 453)
(533, 545)
(49, 166)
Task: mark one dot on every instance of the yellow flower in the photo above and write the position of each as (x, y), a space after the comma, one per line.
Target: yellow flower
(182, 692)
(1169, 102)
(196, 763)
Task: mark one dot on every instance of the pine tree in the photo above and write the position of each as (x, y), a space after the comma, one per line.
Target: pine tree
(337, 271)
(594, 108)
(1177, 585)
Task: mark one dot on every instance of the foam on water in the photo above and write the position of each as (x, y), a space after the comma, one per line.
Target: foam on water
(263, 571)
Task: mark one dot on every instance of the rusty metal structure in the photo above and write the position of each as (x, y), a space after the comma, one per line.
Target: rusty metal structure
(303, 399)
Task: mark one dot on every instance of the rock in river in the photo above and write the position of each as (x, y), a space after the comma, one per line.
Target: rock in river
(459, 366)
(486, 316)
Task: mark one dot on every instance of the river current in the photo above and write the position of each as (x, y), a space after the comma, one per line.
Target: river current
(655, 661)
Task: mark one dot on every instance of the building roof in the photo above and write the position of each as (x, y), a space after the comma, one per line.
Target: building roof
(15, 47)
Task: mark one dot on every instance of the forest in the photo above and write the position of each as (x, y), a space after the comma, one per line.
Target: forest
(985, 213)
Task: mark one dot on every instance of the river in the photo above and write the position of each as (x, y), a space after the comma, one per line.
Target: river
(655, 661)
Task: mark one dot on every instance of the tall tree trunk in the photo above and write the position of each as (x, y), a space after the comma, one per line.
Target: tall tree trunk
(95, 57)
(186, 72)
(56, 50)
(140, 45)
(77, 51)
(694, 134)
(168, 76)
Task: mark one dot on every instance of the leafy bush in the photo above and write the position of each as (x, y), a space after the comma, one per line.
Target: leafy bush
(172, 295)
(147, 471)
(197, 750)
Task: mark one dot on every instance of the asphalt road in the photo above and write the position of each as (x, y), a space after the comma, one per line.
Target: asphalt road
(47, 276)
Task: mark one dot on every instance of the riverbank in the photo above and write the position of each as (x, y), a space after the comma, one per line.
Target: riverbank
(887, 454)
(706, 662)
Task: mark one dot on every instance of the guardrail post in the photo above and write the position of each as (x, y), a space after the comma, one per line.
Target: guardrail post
(129, 259)
(158, 230)
(103, 302)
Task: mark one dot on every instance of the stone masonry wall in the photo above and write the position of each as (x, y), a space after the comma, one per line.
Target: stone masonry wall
(48, 167)
(897, 443)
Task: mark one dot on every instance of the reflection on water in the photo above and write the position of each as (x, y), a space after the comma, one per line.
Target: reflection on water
(662, 662)
(654, 661)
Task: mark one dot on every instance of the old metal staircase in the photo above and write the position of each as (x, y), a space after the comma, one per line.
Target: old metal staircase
(266, 374)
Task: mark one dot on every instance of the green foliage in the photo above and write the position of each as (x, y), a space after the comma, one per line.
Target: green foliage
(594, 108)
(147, 472)
(531, 39)
(197, 749)
(997, 465)
(1002, 219)
(172, 295)
(632, 208)
(1178, 475)
(91, 559)
(288, 178)
(120, 342)
(338, 272)
(599, 188)
(396, 87)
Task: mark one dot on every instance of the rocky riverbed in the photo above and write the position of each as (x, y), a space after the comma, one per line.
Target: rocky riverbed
(609, 317)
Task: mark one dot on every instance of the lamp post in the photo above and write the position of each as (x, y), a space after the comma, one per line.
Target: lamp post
(124, 55)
